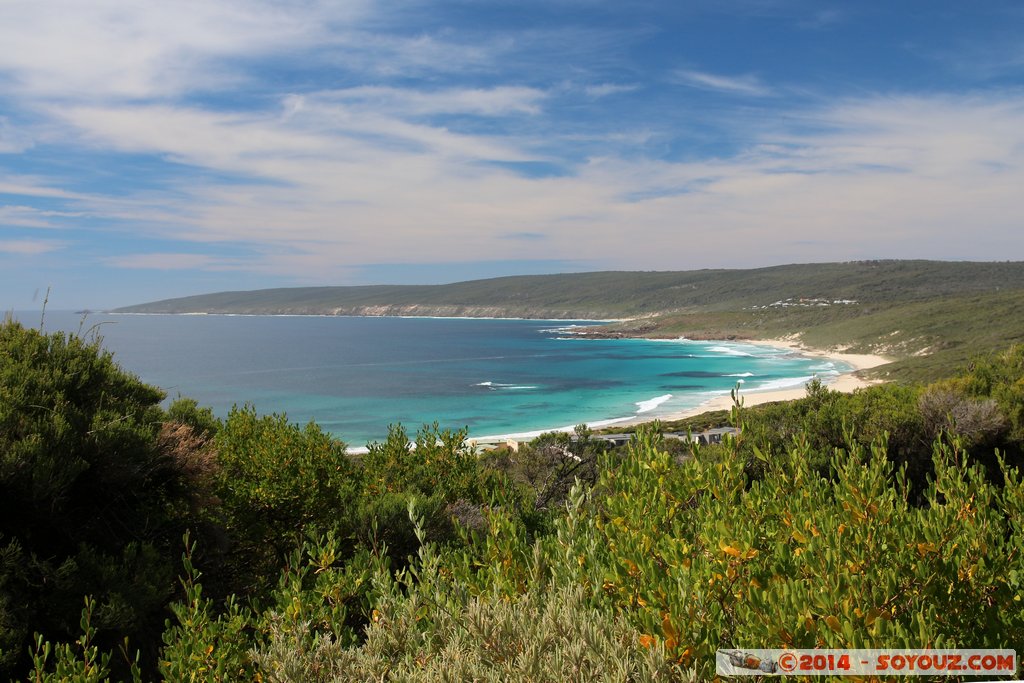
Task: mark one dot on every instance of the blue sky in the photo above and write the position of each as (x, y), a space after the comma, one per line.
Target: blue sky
(159, 149)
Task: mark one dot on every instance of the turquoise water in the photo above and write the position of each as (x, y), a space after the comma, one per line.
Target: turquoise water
(355, 376)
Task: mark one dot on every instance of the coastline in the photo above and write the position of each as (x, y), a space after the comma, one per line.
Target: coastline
(846, 383)
(368, 315)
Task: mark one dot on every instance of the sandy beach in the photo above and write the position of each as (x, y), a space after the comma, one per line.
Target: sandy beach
(846, 382)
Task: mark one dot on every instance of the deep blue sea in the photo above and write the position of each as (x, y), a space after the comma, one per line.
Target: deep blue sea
(355, 376)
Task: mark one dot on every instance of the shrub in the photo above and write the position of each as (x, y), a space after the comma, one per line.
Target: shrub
(279, 482)
(700, 558)
(86, 497)
(1000, 377)
(427, 627)
(550, 464)
(977, 421)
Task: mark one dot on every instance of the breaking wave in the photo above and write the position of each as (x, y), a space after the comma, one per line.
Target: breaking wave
(728, 351)
(499, 386)
(650, 404)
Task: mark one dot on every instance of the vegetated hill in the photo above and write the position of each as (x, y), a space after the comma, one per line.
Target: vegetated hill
(928, 338)
(622, 294)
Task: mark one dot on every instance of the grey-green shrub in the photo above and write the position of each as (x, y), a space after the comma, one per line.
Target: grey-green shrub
(543, 635)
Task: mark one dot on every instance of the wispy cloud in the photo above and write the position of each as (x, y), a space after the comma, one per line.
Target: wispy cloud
(28, 247)
(107, 48)
(527, 236)
(606, 89)
(822, 18)
(929, 165)
(22, 185)
(498, 101)
(163, 261)
(735, 85)
(31, 217)
(13, 140)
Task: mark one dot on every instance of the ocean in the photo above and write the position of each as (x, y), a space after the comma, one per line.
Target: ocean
(356, 376)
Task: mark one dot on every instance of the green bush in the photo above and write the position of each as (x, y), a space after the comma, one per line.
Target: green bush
(439, 471)
(548, 466)
(86, 497)
(187, 411)
(550, 635)
(1000, 377)
(279, 482)
(702, 558)
(205, 642)
(426, 626)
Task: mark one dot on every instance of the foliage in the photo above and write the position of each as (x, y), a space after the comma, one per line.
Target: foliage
(86, 502)
(323, 594)
(81, 663)
(72, 425)
(427, 627)
(696, 556)
(550, 464)
(884, 518)
(203, 643)
(944, 408)
(187, 411)
(439, 472)
(700, 557)
(545, 635)
(278, 482)
(827, 420)
(436, 462)
(1000, 376)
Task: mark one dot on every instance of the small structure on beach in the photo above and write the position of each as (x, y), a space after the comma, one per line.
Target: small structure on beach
(707, 437)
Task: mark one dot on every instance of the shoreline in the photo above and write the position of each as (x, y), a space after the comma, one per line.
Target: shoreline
(846, 382)
(366, 315)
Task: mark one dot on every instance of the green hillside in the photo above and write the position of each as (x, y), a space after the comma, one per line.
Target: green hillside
(928, 338)
(622, 294)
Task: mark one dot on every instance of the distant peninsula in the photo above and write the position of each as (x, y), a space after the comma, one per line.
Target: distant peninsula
(618, 294)
(926, 314)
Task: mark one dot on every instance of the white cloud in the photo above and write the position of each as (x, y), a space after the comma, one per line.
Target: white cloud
(606, 89)
(822, 18)
(498, 101)
(120, 48)
(383, 55)
(13, 215)
(13, 140)
(33, 186)
(29, 247)
(103, 50)
(736, 85)
(162, 261)
(874, 183)
(896, 176)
